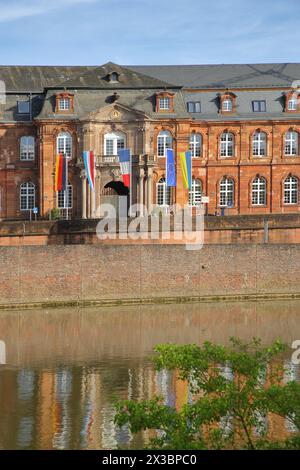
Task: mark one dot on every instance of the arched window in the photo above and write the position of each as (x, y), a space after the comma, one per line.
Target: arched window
(195, 193)
(226, 192)
(195, 144)
(291, 190)
(226, 144)
(65, 198)
(259, 144)
(227, 105)
(163, 193)
(27, 148)
(291, 143)
(27, 196)
(113, 142)
(164, 142)
(259, 191)
(64, 144)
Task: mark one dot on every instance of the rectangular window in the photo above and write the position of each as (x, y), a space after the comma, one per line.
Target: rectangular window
(164, 103)
(64, 104)
(193, 107)
(65, 198)
(24, 107)
(259, 106)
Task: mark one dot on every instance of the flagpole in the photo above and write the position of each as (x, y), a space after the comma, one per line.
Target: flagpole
(130, 185)
(66, 186)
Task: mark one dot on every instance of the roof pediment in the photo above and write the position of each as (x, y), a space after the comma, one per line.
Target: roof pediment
(116, 112)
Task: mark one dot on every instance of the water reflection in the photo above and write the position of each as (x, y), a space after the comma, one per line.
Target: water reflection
(63, 367)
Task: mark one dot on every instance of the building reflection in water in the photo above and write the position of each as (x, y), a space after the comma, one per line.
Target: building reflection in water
(65, 368)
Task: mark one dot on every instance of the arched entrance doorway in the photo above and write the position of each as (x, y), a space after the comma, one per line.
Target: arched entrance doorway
(116, 194)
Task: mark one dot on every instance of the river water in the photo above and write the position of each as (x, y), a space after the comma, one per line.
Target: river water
(63, 367)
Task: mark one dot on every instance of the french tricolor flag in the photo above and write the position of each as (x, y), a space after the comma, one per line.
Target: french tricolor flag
(125, 164)
(89, 165)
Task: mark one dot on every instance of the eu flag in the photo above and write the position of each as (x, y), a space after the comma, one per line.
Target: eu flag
(171, 174)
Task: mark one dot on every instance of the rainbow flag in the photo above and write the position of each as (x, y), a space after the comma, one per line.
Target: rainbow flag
(61, 173)
(89, 164)
(186, 168)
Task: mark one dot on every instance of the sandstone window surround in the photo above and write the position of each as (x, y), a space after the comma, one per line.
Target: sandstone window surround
(259, 191)
(164, 102)
(291, 190)
(64, 103)
(163, 193)
(113, 142)
(227, 103)
(227, 145)
(226, 192)
(195, 194)
(27, 148)
(291, 143)
(259, 144)
(195, 144)
(292, 102)
(27, 196)
(64, 144)
(164, 142)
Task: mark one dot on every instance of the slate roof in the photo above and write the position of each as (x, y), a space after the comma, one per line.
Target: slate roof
(98, 78)
(88, 101)
(224, 75)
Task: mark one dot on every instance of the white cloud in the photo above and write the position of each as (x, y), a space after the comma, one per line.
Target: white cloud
(18, 9)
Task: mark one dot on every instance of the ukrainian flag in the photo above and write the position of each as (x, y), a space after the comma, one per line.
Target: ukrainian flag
(186, 169)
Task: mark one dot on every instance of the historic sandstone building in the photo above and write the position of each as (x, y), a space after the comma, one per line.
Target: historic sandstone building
(241, 123)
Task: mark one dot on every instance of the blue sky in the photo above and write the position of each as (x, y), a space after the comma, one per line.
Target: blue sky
(91, 32)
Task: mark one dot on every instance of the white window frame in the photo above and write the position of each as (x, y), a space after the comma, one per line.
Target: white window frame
(65, 198)
(292, 104)
(259, 191)
(195, 194)
(259, 144)
(291, 143)
(164, 102)
(64, 104)
(164, 141)
(227, 145)
(195, 145)
(163, 193)
(227, 105)
(113, 142)
(64, 144)
(291, 190)
(27, 148)
(27, 196)
(226, 194)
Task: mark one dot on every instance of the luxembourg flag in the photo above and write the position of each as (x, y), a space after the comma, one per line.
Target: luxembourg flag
(125, 164)
(89, 165)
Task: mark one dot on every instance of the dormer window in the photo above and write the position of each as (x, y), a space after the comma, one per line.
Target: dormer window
(165, 102)
(292, 104)
(64, 103)
(113, 77)
(292, 101)
(227, 103)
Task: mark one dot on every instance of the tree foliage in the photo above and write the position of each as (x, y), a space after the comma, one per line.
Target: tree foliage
(234, 388)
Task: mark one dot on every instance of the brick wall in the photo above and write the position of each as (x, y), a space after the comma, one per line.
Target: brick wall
(82, 273)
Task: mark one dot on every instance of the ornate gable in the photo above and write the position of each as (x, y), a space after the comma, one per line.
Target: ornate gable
(116, 112)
